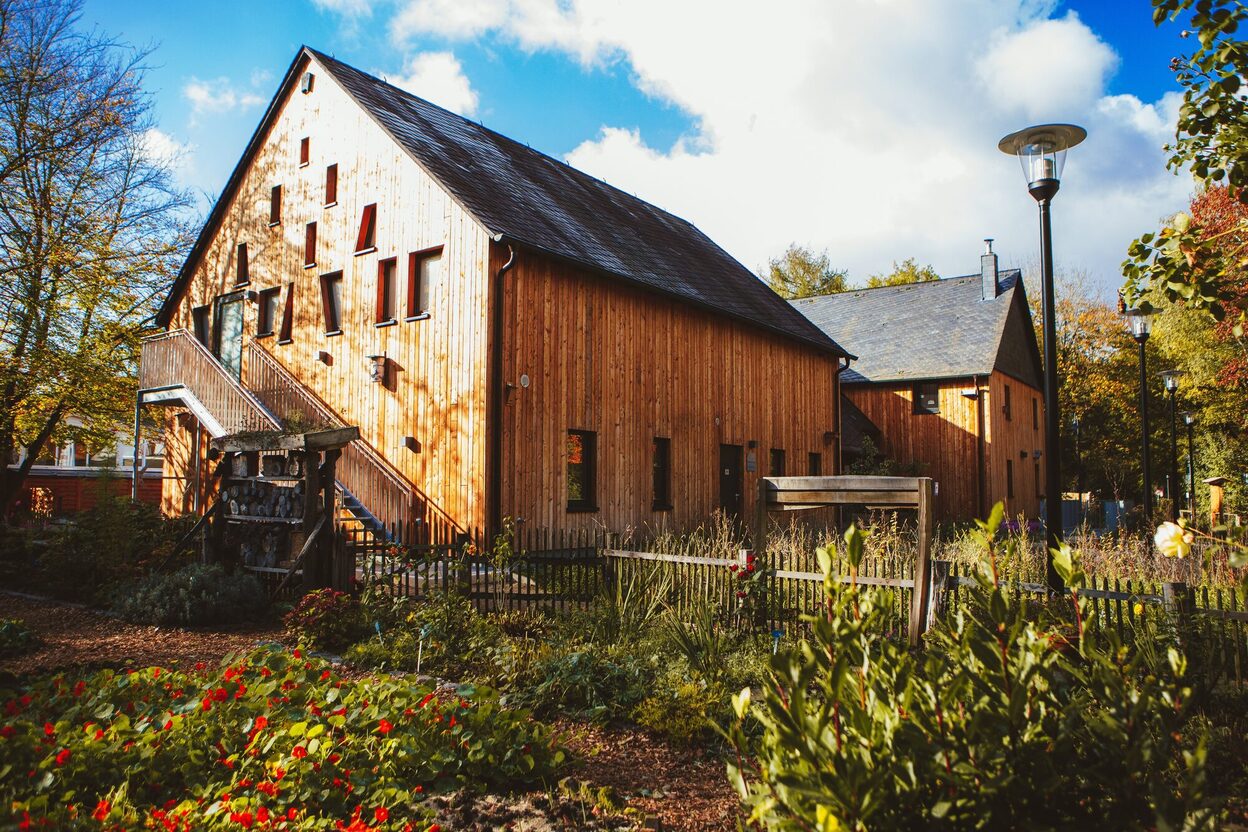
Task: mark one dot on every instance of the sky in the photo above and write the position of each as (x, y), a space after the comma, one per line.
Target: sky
(866, 128)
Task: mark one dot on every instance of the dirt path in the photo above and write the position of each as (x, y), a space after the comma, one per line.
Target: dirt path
(676, 788)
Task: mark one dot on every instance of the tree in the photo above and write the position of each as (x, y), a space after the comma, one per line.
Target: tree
(1186, 260)
(90, 224)
(800, 273)
(907, 271)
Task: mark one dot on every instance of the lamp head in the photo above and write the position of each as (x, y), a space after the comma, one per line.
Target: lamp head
(1189, 418)
(1170, 378)
(1041, 150)
(1141, 322)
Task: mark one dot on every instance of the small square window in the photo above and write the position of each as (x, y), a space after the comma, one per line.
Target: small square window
(331, 185)
(424, 269)
(266, 313)
(582, 452)
(275, 205)
(386, 290)
(661, 453)
(775, 467)
(927, 398)
(304, 151)
(366, 239)
(331, 302)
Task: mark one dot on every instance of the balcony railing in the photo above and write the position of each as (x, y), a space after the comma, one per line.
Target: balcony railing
(175, 365)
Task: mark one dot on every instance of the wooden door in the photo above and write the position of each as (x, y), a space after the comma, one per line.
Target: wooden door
(228, 333)
(731, 485)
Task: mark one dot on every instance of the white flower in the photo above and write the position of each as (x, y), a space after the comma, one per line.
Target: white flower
(1173, 540)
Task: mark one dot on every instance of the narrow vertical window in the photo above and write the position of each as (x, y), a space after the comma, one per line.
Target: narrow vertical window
(266, 312)
(1035, 413)
(309, 245)
(242, 274)
(1036, 466)
(814, 464)
(386, 290)
(366, 239)
(200, 319)
(331, 185)
(424, 269)
(582, 457)
(661, 452)
(1009, 478)
(775, 467)
(331, 302)
(288, 316)
(304, 151)
(275, 205)
(1006, 408)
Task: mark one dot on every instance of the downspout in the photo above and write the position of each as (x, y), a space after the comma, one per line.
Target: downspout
(494, 392)
(838, 459)
(981, 473)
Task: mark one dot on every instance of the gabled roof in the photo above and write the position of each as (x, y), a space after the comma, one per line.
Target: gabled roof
(522, 196)
(931, 330)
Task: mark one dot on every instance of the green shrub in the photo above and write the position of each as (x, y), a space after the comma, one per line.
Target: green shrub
(588, 682)
(269, 735)
(1010, 719)
(195, 595)
(15, 637)
(682, 711)
(326, 619)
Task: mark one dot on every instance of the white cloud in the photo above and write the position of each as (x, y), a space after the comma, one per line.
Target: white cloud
(438, 77)
(218, 96)
(349, 8)
(868, 127)
(160, 147)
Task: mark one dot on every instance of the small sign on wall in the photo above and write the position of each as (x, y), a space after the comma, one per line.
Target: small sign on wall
(751, 461)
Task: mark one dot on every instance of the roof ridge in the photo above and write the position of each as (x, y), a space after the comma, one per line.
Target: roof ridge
(507, 139)
(859, 289)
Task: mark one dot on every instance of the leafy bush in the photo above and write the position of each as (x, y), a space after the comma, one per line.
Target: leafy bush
(15, 637)
(267, 736)
(113, 542)
(596, 684)
(680, 710)
(195, 595)
(1010, 720)
(326, 619)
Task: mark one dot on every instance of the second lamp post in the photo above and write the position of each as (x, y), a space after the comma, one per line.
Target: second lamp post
(1170, 379)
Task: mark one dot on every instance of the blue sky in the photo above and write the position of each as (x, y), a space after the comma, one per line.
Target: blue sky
(864, 128)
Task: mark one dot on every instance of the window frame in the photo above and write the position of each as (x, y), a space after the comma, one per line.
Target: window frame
(331, 311)
(242, 269)
(366, 237)
(814, 464)
(309, 245)
(588, 501)
(387, 301)
(331, 185)
(275, 206)
(922, 390)
(661, 474)
(775, 462)
(266, 318)
(305, 151)
(415, 263)
(285, 333)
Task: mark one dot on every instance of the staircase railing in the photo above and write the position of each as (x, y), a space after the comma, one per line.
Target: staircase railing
(176, 359)
(370, 478)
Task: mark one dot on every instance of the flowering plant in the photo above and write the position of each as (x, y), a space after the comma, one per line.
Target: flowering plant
(326, 618)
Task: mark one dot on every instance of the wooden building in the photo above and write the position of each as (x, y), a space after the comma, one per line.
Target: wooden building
(513, 337)
(949, 374)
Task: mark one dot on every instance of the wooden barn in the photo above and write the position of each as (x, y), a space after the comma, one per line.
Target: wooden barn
(513, 337)
(948, 374)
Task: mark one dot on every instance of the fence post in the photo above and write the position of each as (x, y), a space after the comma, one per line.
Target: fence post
(1178, 598)
(920, 597)
(938, 593)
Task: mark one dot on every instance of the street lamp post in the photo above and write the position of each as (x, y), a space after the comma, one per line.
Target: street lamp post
(1170, 379)
(1189, 419)
(1141, 325)
(1042, 152)
(1077, 424)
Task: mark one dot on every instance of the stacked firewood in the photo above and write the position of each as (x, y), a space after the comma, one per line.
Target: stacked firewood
(262, 499)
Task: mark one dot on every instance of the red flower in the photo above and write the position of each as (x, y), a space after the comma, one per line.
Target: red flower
(292, 813)
(79, 688)
(262, 722)
(49, 729)
(435, 828)
(299, 752)
(740, 594)
(6, 731)
(262, 814)
(169, 725)
(733, 568)
(382, 814)
(384, 727)
(244, 819)
(101, 810)
(63, 756)
(206, 704)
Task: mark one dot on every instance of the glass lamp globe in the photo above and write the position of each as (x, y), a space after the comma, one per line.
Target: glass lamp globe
(1041, 149)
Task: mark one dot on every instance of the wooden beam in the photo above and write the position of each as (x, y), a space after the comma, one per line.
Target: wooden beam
(921, 597)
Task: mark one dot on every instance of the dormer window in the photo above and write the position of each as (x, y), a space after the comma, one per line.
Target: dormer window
(366, 239)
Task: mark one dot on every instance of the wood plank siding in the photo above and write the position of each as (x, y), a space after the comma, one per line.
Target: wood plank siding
(946, 445)
(630, 366)
(436, 365)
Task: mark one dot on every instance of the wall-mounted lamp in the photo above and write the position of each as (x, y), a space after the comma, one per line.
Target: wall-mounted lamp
(829, 437)
(325, 358)
(253, 296)
(1035, 454)
(1022, 454)
(377, 367)
(411, 443)
(970, 393)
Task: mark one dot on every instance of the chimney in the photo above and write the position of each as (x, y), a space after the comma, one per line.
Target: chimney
(990, 288)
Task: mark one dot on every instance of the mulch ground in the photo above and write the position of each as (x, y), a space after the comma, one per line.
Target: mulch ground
(674, 788)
